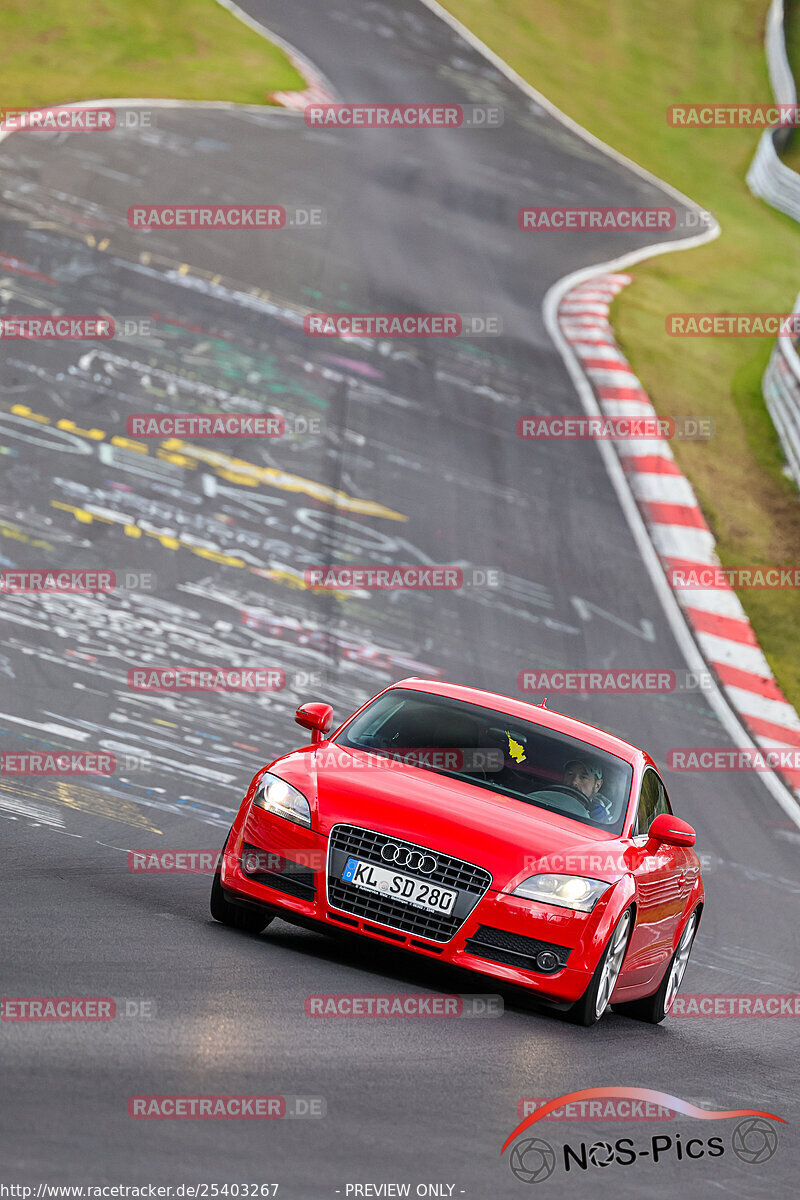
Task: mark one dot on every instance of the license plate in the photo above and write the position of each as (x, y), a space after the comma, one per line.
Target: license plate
(396, 886)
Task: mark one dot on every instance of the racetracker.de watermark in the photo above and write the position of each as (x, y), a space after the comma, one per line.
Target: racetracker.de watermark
(719, 324)
(174, 862)
(618, 429)
(75, 1008)
(579, 862)
(714, 578)
(56, 329)
(733, 116)
(208, 425)
(75, 580)
(68, 579)
(586, 219)
(399, 578)
(705, 758)
(403, 116)
(205, 862)
(431, 758)
(222, 425)
(398, 1004)
(225, 1107)
(402, 324)
(206, 679)
(763, 1005)
(224, 216)
(619, 681)
(68, 118)
(58, 762)
(608, 1109)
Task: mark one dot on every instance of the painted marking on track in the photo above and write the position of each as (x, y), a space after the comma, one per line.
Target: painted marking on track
(17, 807)
(101, 804)
(234, 469)
(75, 797)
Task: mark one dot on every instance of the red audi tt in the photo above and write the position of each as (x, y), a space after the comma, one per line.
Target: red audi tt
(486, 832)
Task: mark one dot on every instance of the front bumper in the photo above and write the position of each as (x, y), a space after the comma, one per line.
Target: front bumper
(282, 866)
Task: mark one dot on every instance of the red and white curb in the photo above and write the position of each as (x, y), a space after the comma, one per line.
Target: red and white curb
(676, 526)
(315, 93)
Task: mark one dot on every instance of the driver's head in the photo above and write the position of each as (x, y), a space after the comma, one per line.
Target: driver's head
(586, 777)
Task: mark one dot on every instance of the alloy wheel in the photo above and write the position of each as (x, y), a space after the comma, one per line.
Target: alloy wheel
(612, 964)
(679, 961)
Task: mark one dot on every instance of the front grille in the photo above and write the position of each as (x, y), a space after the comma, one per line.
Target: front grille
(275, 871)
(452, 872)
(513, 949)
(469, 881)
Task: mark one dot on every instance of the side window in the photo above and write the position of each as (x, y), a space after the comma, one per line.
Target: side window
(653, 800)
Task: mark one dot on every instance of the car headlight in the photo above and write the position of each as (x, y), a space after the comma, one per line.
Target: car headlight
(567, 891)
(279, 797)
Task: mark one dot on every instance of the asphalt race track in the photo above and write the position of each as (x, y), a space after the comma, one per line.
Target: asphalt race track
(419, 437)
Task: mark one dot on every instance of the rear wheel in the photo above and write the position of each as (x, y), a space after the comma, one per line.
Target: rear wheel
(249, 920)
(654, 1009)
(594, 1001)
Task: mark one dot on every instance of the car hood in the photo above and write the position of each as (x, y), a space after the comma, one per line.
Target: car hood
(509, 838)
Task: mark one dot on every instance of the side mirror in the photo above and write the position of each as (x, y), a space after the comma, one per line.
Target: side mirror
(670, 831)
(316, 717)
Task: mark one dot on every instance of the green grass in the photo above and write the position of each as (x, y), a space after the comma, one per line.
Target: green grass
(615, 67)
(60, 50)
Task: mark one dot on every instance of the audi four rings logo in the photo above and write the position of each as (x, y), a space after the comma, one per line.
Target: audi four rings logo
(412, 860)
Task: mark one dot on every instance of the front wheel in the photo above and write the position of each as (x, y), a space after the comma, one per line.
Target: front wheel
(249, 920)
(654, 1009)
(594, 1001)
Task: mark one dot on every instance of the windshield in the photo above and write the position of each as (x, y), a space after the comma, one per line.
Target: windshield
(498, 752)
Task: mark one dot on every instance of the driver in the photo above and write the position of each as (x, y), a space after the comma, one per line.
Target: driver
(587, 778)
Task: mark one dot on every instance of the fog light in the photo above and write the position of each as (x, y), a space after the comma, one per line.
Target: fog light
(546, 960)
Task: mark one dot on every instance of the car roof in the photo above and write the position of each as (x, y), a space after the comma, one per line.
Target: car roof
(525, 710)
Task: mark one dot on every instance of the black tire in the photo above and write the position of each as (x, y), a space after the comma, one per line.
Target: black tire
(584, 1011)
(236, 916)
(653, 1009)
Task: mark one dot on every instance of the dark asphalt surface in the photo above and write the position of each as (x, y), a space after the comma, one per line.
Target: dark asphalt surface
(415, 221)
